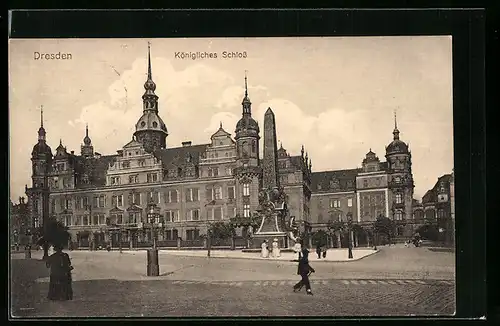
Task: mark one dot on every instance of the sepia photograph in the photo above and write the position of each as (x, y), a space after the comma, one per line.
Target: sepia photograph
(230, 177)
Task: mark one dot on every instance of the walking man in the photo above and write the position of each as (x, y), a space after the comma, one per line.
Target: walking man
(303, 270)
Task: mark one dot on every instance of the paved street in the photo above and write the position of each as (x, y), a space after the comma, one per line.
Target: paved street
(394, 281)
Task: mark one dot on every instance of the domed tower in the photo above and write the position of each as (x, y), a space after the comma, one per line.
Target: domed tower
(150, 130)
(87, 150)
(248, 172)
(41, 161)
(400, 177)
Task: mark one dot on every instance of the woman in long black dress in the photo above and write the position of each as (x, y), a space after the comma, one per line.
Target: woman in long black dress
(60, 287)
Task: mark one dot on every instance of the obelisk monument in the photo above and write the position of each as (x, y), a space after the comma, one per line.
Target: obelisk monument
(272, 198)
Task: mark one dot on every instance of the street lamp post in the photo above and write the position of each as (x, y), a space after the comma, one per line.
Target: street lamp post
(153, 268)
(349, 228)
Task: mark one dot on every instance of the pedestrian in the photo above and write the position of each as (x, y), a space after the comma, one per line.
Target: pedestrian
(318, 250)
(276, 248)
(304, 270)
(324, 251)
(60, 287)
(265, 251)
(298, 248)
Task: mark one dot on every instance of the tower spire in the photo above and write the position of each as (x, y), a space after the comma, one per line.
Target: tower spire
(41, 116)
(41, 130)
(395, 120)
(246, 85)
(395, 133)
(87, 129)
(247, 105)
(150, 75)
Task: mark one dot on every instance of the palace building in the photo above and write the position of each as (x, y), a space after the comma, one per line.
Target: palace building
(194, 184)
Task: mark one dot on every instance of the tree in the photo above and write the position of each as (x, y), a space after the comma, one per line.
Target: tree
(54, 233)
(216, 232)
(357, 230)
(320, 238)
(384, 225)
(249, 224)
(336, 228)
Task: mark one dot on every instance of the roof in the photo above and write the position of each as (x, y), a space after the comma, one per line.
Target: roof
(320, 181)
(96, 169)
(177, 155)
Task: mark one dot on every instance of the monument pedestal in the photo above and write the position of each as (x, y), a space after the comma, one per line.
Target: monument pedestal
(283, 241)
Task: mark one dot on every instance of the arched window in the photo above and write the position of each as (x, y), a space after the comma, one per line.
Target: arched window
(399, 198)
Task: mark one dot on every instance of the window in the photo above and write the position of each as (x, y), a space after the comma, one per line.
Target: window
(214, 193)
(217, 193)
(115, 180)
(193, 215)
(192, 195)
(172, 196)
(67, 221)
(171, 216)
(135, 198)
(246, 189)
(85, 220)
(213, 172)
(101, 201)
(152, 177)
(234, 211)
(61, 204)
(230, 192)
(134, 218)
(283, 179)
(154, 197)
(56, 183)
(246, 210)
(229, 171)
(168, 235)
(398, 216)
(67, 203)
(349, 202)
(218, 213)
(254, 146)
(365, 183)
(215, 213)
(95, 219)
(126, 164)
(399, 198)
(133, 178)
(193, 234)
(85, 202)
(142, 163)
(117, 201)
(334, 203)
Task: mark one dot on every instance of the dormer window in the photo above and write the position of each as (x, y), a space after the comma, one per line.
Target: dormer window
(126, 164)
(142, 163)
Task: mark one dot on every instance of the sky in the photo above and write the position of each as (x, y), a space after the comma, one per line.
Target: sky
(335, 95)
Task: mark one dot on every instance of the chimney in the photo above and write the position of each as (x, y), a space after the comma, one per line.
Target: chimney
(186, 143)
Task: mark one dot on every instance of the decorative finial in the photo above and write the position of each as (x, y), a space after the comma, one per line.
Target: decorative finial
(220, 127)
(150, 76)
(302, 151)
(60, 141)
(246, 86)
(41, 116)
(87, 129)
(395, 120)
